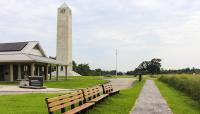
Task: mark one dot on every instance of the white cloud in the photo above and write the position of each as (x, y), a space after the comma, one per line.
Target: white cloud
(140, 29)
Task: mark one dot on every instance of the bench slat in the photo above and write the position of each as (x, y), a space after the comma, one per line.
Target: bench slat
(65, 105)
(98, 98)
(80, 108)
(65, 100)
(64, 96)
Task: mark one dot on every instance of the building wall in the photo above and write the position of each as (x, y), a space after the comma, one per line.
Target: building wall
(36, 52)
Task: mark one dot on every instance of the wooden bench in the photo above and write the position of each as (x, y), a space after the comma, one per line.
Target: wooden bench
(73, 101)
(93, 94)
(108, 89)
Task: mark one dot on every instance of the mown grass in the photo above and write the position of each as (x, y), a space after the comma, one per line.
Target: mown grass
(119, 104)
(35, 103)
(185, 83)
(178, 101)
(24, 104)
(75, 82)
(8, 83)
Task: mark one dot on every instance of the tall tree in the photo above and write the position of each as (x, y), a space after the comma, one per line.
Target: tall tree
(74, 66)
(152, 67)
(83, 69)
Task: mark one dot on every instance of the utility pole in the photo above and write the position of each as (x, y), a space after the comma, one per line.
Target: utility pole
(116, 62)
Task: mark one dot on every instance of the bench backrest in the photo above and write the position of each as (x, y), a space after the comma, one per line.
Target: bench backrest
(107, 88)
(63, 101)
(93, 92)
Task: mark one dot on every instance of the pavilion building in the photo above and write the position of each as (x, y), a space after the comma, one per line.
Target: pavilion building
(21, 59)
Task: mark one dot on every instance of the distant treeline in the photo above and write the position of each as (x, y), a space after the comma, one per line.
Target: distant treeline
(84, 70)
(171, 71)
(181, 71)
(146, 67)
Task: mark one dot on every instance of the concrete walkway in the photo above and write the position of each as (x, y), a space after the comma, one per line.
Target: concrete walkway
(6, 90)
(150, 101)
(122, 83)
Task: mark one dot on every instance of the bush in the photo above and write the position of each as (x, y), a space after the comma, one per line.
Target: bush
(187, 84)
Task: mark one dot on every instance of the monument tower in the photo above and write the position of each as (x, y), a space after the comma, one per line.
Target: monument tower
(64, 36)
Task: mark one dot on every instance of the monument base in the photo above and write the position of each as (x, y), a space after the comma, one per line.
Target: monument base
(32, 87)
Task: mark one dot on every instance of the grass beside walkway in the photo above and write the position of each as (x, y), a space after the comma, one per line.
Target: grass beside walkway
(24, 104)
(75, 82)
(72, 83)
(119, 104)
(35, 103)
(179, 102)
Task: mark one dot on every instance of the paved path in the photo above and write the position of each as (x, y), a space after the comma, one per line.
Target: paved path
(122, 83)
(150, 101)
(5, 90)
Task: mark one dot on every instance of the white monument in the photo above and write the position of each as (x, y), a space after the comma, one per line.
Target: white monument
(64, 39)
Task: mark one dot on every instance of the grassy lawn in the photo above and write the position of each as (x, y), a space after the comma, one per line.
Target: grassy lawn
(119, 104)
(178, 101)
(24, 104)
(8, 83)
(35, 103)
(76, 82)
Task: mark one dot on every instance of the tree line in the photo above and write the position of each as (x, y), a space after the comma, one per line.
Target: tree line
(146, 67)
(84, 70)
(154, 67)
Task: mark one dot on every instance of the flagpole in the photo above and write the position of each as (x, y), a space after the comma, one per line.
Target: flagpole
(116, 62)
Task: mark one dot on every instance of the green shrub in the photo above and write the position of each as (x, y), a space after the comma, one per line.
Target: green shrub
(187, 84)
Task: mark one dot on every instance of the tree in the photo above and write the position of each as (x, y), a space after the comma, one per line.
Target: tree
(142, 68)
(152, 67)
(83, 69)
(74, 66)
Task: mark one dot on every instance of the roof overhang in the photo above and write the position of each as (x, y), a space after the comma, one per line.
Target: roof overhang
(14, 58)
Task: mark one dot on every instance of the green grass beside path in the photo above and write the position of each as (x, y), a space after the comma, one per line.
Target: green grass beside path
(120, 103)
(72, 83)
(35, 103)
(179, 102)
(75, 82)
(24, 104)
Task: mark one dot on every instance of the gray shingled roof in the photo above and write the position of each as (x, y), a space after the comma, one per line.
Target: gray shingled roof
(16, 46)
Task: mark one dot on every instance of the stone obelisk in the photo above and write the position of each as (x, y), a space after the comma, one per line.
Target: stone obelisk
(64, 36)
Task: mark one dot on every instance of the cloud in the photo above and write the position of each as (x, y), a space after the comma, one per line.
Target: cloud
(140, 29)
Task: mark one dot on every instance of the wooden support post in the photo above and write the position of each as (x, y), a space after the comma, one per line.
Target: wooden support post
(50, 71)
(11, 72)
(38, 70)
(57, 72)
(46, 71)
(32, 69)
(66, 76)
(19, 76)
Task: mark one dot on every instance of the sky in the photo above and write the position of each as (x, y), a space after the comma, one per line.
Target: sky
(139, 29)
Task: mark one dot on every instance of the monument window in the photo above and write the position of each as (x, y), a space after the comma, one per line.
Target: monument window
(62, 11)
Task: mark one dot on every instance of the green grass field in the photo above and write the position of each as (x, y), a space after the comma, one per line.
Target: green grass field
(76, 82)
(35, 103)
(187, 84)
(179, 102)
(119, 104)
(8, 83)
(73, 82)
(24, 104)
